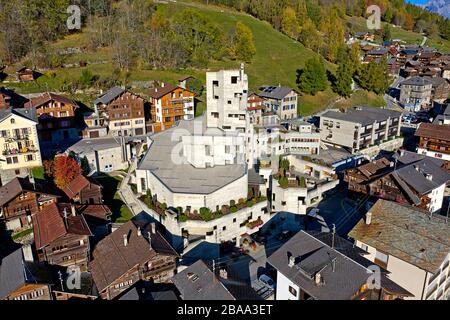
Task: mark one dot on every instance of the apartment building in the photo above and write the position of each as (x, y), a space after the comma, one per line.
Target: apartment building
(122, 112)
(411, 245)
(434, 140)
(169, 104)
(19, 143)
(415, 93)
(56, 116)
(360, 127)
(226, 97)
(281, 100)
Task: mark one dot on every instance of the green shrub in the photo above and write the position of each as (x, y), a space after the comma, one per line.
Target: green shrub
(232, 203)
(233, 209)
(249, 203)
(302, 182)
(284, 182)
(206, 214)
(163, 206)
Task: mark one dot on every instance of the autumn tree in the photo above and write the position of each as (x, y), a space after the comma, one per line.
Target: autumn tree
(244, 47)
(65, 169)
(289, 24)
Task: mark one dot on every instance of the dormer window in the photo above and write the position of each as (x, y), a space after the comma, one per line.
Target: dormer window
(13, 120)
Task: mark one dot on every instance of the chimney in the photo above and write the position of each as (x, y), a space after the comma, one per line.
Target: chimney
(72, 209)
(317, 278)
(223, 274)
(65, 216)
(139, 232)
(125, 240)
(150, 239)
(291, 261)
(429, 177)
(402, 152)
(153, 227)
(156, 89)
(333, 264)
(368, 217)
(162, 84)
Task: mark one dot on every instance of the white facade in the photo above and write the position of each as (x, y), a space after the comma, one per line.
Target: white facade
(434, 154)
(226, 97)
(436, 198)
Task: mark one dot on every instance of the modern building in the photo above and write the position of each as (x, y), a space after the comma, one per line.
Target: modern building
(281, 100)
(434, 140)
(226, 98)
(318, 266)
(360, 127)
(412, 245)
(122, 111)
(302, 185)
(171, 103)
(19, 143)
(416, 92)
(56, 114)
(131, 253)
(21, 198)
(409, 178)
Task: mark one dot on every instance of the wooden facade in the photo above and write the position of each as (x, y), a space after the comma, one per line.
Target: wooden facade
(31, 291)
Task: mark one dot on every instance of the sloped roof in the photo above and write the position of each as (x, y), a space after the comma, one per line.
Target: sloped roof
(111, 258)
(362, 115)
(110, 95)
(12, 273)
(47, 97)
(273, 92)
(314, 256)
(161, 91)
(49, 225)
(434, 131)
(198, 282)
(29, 114)
(417, 81)
(98, 211)
(76, 185)
(408, 233)
(18, 185)
(16, 99)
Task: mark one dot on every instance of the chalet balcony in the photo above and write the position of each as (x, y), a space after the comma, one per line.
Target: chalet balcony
(16, 151)
(16, 138)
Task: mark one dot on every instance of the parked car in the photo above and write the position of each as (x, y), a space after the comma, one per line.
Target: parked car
(267, 281)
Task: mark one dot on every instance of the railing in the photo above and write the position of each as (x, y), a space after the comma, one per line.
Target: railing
(10, 152)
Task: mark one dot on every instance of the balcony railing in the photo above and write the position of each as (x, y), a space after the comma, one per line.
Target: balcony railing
(15, 151)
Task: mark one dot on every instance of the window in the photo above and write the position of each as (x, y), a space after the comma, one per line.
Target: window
(234, 220)
(381, 259)
(215, 83)
(292, 291)
(224, 228)
(234, 80)
(13, 121)
(229, 101)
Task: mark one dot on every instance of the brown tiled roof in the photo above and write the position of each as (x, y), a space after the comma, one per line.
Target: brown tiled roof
(112, 259)
(371, 168)
(75, 186)
(47, 97)
(159, 92)
(434, 131)
(405, 232)
(17, 185)
(98, 211)
(49, 225)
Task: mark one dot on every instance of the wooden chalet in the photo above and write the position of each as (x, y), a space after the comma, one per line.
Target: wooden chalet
(83, 191)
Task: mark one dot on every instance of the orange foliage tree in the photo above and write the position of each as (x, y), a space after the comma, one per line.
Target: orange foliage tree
(65, 169)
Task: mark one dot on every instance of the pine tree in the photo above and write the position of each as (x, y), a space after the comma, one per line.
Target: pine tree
(313, 77)
(342, 84)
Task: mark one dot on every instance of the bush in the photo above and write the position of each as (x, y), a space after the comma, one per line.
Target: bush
(302, 182)
(233, 209)
(249, 203)
(284, 182)
(232, 203)
(206, 214)
(182, 218)
(163, 206)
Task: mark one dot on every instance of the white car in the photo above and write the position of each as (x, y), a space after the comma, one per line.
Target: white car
(267, 281)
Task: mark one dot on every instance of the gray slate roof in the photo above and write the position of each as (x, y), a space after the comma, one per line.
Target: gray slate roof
(197, 282)
(272, 92)
(185, 178)
(405, 232)
(417, 81)
(313, 256)
(110, 95)
(28, 113)
(12, 273)
(362, 115)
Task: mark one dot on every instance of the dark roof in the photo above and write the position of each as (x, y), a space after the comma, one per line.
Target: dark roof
(272, 92)
(313, 256)
(434, 131)
(97, 211)
(49, 224)
(47, 97)
(198, 282)
(29, 113)
(362, 115)
(111, 258)
(254, 177)
(144, 290)
(417, 81)
(16, 99)
(17, 185)
(110, 95)
(161, 91)
(378, 51)
(408, 233)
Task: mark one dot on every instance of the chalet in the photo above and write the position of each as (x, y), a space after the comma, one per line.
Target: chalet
(171, 103)
(9, 98)
(322, 266)
(429, 56)
(61, 236)
(56, 116)
(376, 54)
(21, 198)
(121, 111)
(22, 280)
(95, 213)
(84, 191)
(136, 251)
(410, 178)
(434, 140)
(25, 74)
(440, 89)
